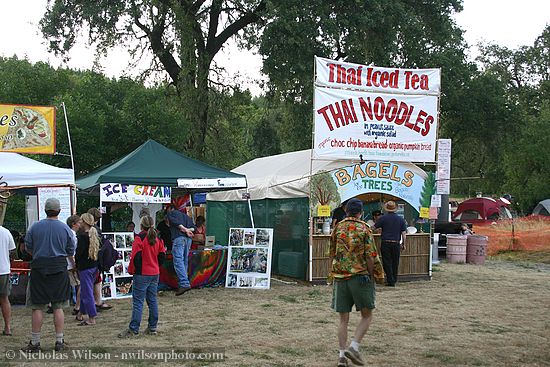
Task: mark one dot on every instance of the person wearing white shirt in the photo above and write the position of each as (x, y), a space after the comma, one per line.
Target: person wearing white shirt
(7, 244)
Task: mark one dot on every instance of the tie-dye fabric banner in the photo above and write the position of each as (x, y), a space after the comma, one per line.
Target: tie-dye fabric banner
(206, 269)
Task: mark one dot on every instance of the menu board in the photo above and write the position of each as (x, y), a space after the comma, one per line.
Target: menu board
(249, 259)
(117, 282)
(63, 194)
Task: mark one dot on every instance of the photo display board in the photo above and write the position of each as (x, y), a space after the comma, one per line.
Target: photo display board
(117, 282)
(249, 258)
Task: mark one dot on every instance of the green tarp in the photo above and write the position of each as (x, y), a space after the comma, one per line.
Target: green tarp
(152, 164)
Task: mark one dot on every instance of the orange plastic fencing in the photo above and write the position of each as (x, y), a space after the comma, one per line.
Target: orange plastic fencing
(528, 234)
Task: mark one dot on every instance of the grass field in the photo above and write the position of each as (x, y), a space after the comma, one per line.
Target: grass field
(492, 315)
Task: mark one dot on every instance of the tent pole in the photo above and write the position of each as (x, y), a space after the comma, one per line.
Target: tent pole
(311, 221)
(192, 208)
(100, 218)
(68, 134)
(249, 207)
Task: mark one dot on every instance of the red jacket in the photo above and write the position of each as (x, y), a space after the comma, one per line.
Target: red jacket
(146, 259)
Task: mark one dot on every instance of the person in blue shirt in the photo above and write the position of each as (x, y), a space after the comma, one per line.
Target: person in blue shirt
(394, 234)
(181, 230)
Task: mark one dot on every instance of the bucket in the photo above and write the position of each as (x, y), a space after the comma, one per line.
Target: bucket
(476, 249)
(456, 248)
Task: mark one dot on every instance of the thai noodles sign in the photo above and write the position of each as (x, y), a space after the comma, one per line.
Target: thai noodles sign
(27, 129)
(122, 193)
(379, 113)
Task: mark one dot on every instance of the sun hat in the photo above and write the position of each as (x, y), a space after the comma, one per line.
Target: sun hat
(390, 206)
(52, 204)
(354, 206)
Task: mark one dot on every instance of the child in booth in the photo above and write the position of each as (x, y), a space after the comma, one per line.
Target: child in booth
(148, 253)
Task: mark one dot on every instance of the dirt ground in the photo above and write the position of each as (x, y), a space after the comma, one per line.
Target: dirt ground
(492, 315)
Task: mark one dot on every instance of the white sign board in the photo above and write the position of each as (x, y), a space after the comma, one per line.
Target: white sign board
(213, 183)
(249, 258)
(63, 194)
(379, 126)
(338, 74)
(436, 201)
(122, 193)
(443, 173)
(117, 282)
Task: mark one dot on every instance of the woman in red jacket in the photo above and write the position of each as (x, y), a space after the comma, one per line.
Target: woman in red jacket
(148, 253)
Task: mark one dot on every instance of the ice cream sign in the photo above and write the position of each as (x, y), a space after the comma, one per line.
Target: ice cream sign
(135, 193)
(405, 181)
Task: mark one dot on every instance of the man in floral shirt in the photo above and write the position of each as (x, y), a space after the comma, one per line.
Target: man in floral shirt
(354, 260)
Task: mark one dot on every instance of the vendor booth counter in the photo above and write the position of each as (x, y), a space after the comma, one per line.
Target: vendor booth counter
(414, 263)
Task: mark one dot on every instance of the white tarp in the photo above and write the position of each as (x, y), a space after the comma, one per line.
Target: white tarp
(18, 171)
(280, 176)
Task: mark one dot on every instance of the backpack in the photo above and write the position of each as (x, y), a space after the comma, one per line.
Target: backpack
(107, 255)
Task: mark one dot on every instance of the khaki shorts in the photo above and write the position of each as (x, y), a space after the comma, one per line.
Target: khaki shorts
(43, 307)
(5, 285)
(73, 278)
(359, 291)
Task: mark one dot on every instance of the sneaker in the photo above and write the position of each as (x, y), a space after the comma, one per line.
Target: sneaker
(181, 291)
(31, 348)
(59, 346)
(342, 362)
(354, 356)
(150, 332)
(127, 334)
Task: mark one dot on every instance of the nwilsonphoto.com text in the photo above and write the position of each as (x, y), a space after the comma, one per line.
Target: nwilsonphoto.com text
(116, 355)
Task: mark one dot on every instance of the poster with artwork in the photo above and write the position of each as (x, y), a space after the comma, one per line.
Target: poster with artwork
(117, 282)
(249, 264)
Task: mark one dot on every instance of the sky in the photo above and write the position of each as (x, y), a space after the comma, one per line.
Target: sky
(509, 23)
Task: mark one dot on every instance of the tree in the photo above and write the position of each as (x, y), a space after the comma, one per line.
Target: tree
(184, 37)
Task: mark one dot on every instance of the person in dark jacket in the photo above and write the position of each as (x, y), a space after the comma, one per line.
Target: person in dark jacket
(148, 254)
(87, 262)
(181, 228)
(50, 242)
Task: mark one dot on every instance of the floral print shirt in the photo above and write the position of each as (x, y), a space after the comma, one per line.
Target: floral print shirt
(351, 245)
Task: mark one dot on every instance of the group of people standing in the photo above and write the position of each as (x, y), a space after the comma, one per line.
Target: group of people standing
(66, 255)
(356, 266)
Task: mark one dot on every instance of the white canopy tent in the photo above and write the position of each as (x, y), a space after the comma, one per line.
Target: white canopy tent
(279, 176)
(19, 171)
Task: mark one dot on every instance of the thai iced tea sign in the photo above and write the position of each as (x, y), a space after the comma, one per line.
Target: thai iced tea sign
(379, 113)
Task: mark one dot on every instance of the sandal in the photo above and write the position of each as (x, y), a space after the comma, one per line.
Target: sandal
(103, 307)
(85, 323)
(5, 333)
(79, 318)
(75, 311)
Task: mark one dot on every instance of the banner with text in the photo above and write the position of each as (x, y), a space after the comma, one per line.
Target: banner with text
(376, 125)
(403, 180)
(122, 193)
(27, 129)
(338, 74)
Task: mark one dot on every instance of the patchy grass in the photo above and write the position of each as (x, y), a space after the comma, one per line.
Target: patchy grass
(493, 315)
(538, 257)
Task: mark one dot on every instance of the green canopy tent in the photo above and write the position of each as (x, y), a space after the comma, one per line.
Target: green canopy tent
(154, 164)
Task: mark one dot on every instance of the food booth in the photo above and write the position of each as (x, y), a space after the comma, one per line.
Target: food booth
(37, 181)
(148, 178)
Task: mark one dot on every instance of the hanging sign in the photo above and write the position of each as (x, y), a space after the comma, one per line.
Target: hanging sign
(436, 201)
(378, 126)
(403, 180)
(424, 212)
(111, 192)
(443, 174)
(213, 183)
(249, 263)
(63, 194)
(338, 74)
(27, 129)
(323, 211)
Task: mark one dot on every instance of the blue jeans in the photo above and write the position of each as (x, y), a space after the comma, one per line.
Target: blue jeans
(144, 287)
(180, 253)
